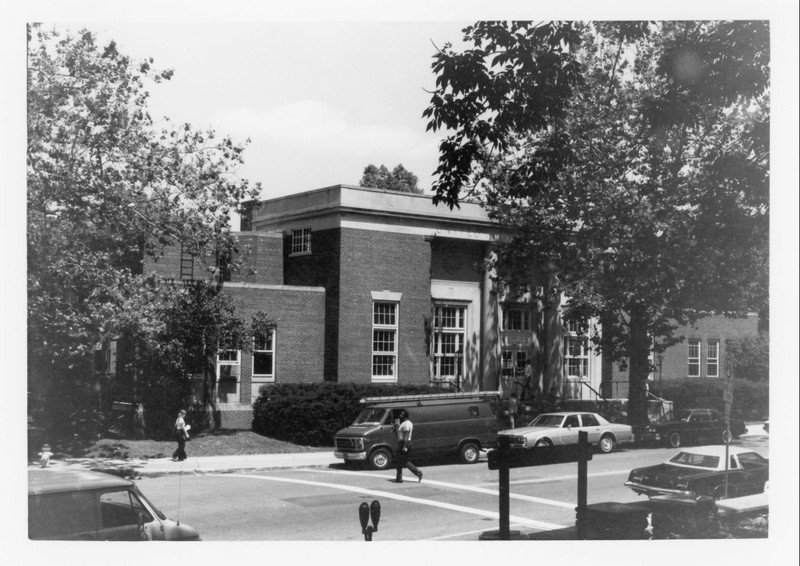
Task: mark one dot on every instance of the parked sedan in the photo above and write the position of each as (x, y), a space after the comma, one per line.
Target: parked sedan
(559, 429)
(701, 471)
(689, 426)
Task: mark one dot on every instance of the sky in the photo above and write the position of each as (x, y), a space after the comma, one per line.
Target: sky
(318, 100)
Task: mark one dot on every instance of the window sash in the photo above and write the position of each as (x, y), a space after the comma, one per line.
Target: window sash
(516, 319)
(301, 240)
(264, 356)
(694, 358)
(448, 341)
(576, 357)
(384, 341)
(712, 358)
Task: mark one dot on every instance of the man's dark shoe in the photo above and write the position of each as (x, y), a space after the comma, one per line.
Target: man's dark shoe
(398, 481)
(419, 477)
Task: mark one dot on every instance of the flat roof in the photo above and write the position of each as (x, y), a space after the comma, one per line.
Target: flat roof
(48, 480)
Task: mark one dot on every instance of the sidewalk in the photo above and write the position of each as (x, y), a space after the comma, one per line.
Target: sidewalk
(209, 464)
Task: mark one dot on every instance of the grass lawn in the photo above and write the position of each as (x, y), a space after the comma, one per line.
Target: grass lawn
(217, 443)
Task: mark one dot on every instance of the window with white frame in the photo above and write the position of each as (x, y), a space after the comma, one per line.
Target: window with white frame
(228, 373)
(263, 362)
(513, 362)
(712, 358)
(448, 341)
(384, 341)
(301, 241)
(576, 356)
(516, 318)
(694, 357)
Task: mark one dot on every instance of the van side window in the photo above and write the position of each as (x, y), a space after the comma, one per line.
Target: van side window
(62, 515)
(474, 411)
(121, 508)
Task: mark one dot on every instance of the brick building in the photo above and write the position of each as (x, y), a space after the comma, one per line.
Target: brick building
(375, 286)
(700, 354)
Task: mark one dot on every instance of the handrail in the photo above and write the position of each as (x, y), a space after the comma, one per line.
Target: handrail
(593, 390)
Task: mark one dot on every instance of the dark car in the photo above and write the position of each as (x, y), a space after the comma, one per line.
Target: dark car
(688, 426)
(693, 472)
(84, 505)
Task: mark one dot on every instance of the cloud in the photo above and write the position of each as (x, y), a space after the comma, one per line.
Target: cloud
(316, 126)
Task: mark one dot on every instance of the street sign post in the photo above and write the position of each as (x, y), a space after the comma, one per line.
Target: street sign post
(727, 397)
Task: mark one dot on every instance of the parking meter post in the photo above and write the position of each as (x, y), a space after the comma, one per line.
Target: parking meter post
(583, 458)
(505, 508)
(365, 512)
(375, 514)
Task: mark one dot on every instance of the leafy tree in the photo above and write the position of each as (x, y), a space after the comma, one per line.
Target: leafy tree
(751, 355)
(107, 184)
(194, 322)
(398, 179)
(633, 157)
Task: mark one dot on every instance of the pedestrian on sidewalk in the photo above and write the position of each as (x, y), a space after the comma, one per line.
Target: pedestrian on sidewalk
(404, 430)
(513, 406)
(181, 434)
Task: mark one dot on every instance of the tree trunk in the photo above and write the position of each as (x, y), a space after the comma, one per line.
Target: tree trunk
(639, 366)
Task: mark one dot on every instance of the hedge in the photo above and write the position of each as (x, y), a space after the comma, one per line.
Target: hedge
(750, 398)
(311, 414)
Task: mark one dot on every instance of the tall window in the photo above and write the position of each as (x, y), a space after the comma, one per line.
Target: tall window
(384, 341)
(187, 264)
(263, 362)
(301, 241)
(448, 341)
(694, 357)
(228, 367)
(576, 351)
(516, 318)
(513, 363)
(712, 358)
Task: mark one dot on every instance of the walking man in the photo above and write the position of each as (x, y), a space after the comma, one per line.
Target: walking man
(404, 430)
(181, 434)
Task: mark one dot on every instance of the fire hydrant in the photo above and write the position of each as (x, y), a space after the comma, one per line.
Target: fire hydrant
(44, 456)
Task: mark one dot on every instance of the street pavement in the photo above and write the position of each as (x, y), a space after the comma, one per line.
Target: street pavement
(135, 468)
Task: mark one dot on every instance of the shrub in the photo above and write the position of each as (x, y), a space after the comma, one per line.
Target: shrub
(311, 414)
(752, 356)
(750, 398)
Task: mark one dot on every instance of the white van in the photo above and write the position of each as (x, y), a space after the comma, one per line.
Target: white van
(83, 505)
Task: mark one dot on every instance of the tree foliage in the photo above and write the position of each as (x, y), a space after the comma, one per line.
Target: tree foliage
(632, 156)
(107, 184)
(398, 179)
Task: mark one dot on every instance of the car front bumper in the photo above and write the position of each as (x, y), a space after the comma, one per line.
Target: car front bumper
(350, 455)
(650, 490)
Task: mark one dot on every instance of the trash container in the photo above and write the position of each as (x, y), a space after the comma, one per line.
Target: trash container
(684, 517)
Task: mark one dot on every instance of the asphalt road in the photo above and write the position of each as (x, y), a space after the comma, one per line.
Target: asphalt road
(453, 502)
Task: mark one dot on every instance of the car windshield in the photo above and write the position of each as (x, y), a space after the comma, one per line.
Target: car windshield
(695, 460)
(547, 420)
(153, 507)
(370, 416)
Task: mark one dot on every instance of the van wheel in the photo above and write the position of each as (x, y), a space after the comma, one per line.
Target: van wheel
(380, 459)
(674, 439)
(606, 443)
(469, 453)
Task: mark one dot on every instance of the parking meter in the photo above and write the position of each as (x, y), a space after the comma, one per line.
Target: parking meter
(367, 512)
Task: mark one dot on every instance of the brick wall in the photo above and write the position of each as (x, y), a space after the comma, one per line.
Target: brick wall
(300, 331)
(261, 255)
(380, 261)
(675, 361)
(320, 268)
